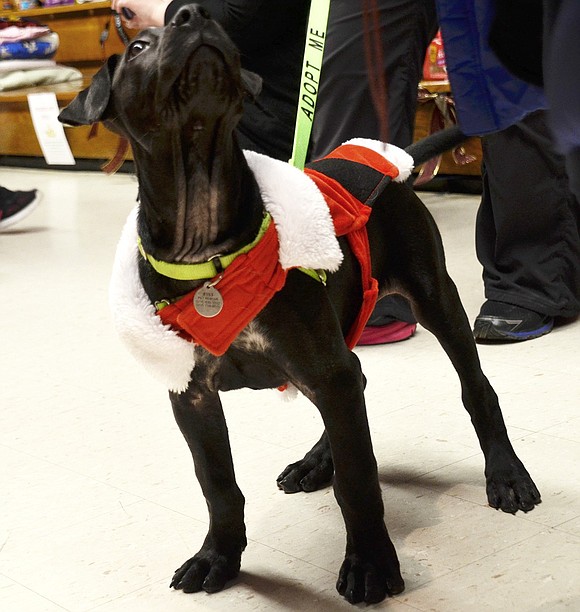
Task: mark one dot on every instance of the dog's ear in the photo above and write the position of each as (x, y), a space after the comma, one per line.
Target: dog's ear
(252, 83)
(90, 105)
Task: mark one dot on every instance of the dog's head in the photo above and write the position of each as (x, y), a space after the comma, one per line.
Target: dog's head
(185, 77)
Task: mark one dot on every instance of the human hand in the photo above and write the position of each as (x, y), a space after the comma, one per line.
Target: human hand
(146, 13)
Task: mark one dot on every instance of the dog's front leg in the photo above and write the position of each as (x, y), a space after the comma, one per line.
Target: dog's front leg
(200, 417)
(371, 569)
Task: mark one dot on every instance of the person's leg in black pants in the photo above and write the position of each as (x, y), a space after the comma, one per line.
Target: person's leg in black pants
(527, 235)
(345, 107)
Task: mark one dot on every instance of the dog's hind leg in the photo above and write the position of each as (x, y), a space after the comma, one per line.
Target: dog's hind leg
(200, 417)
(509, 486)
(418, 270)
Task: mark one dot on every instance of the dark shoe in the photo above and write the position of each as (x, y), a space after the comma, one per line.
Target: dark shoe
(389, 309)
(392, 320)
(501, 322)
(16, 205)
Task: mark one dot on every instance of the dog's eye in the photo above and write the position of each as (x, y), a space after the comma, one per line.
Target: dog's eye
(136, 47)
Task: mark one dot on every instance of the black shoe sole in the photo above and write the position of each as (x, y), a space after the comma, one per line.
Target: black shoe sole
(493, 329)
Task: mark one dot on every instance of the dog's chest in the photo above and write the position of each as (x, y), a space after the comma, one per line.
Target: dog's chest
(253, 339)
(250, 362)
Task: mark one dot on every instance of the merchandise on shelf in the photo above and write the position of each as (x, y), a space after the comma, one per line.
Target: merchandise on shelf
(434, 68)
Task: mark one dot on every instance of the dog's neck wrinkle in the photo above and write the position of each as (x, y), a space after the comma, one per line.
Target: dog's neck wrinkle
(219, 210)
(181, 197)
(205, 202)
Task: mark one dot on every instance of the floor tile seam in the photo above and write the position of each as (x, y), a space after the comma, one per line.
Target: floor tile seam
(87, 519)
(24, 586)
(533, 366)
(38, 458)
(520, 515)
(545, 432)
(120, 396)
(434, 489)
(290, 555)
(447, 465)
(559, 527)
(272, 445)
(554, 370)
(269, 534)
(494, 553)
(138, 498)
(203, 522)
(128, 594)
(398, 599)
(517, 432)
(420, 402)
(72, 471)
(456, 497)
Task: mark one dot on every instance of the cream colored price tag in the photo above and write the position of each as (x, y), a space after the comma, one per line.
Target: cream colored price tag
(49, 131)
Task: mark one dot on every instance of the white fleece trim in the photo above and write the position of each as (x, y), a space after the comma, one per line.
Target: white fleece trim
(399, 158)
(300, 213)
(155, 345)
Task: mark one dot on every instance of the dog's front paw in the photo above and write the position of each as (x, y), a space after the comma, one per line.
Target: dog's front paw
(360, 580)
(207, 570)
(510, 487)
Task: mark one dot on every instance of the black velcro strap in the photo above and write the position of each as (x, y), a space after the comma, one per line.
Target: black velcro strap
(363, 182)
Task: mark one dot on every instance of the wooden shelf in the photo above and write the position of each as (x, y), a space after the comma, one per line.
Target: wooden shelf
(49, 11)
(79, 27)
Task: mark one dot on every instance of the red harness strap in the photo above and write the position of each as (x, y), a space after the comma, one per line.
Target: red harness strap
(350, 217)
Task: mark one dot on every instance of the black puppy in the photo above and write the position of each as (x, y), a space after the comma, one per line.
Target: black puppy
(176, 94)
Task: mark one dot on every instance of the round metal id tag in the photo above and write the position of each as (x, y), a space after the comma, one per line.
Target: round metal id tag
(208, 301)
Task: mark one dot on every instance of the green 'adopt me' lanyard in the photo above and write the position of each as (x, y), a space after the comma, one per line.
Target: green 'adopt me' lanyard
(310, 81)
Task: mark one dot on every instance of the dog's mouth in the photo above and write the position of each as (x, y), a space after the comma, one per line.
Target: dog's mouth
(204, 91)
(198, 78)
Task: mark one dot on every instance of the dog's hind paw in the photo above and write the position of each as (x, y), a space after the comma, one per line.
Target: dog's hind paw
(301, 476)
(311, 473)
(207, 571)
(511, 489)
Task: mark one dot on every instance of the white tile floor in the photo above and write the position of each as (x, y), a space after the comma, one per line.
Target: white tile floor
(98, 499)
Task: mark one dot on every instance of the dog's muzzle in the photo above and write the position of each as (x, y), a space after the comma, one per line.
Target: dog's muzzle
(195, 53)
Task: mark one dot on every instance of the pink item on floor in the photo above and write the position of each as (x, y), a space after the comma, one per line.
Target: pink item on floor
(385, 334)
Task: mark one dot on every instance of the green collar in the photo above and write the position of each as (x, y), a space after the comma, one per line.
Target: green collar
(206, 269)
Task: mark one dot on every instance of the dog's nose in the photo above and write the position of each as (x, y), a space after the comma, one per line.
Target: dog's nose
(190, 14)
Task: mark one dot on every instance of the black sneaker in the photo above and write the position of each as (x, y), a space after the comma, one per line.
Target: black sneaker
(501, 322)
(16, 205)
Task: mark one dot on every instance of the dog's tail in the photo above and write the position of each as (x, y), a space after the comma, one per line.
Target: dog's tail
(423, 150)
(435, 144)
